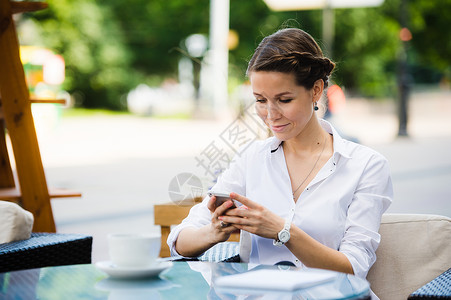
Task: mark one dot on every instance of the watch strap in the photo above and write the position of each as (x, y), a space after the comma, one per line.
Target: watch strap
(286, 227)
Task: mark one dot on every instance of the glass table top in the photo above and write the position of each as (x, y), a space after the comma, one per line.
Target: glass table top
(183, 280)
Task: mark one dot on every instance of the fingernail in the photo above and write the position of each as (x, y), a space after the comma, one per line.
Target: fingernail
(220, 218)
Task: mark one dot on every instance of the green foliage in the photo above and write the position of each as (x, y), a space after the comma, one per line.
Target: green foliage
(430, 26)
(154, 31)
(97, 59)
(429, 51)
(253, 27)
(365, 45)
(112, 46)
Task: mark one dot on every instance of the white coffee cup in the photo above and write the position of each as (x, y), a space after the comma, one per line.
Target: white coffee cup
(133, 250)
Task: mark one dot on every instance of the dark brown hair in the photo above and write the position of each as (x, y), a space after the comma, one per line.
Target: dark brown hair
(292, 50)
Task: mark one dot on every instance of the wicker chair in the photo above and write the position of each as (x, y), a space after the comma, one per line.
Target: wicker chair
(438, 288)
(222, 252)
(44, 250)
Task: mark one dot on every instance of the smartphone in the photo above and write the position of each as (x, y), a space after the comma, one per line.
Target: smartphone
(223, 197)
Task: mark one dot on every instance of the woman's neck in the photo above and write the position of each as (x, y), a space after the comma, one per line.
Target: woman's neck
(308, 140)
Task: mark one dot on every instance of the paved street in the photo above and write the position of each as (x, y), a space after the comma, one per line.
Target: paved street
(123, 164)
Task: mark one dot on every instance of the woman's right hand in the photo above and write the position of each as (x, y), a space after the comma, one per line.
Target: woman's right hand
(193, 241)
(221, 230)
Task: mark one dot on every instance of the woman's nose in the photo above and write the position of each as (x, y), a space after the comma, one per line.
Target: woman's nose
(273, 112)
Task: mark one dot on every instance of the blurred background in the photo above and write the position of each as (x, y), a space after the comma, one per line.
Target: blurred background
(156, 89)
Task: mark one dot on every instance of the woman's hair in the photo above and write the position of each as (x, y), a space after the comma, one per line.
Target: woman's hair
(292, 50)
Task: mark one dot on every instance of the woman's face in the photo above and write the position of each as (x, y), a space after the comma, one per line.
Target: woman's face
(285, 107)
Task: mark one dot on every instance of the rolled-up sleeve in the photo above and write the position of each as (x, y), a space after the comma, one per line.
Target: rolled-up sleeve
(198, 216)
(373, 195)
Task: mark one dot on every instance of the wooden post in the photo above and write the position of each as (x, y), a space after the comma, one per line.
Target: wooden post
(19, 121)
(6, 173)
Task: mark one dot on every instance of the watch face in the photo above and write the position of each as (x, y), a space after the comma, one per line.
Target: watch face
(284, 236)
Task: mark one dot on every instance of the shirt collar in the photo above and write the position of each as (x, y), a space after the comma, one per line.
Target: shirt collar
(274, 144)
(339, 143)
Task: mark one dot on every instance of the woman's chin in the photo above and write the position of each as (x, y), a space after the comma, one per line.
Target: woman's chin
(281, 136)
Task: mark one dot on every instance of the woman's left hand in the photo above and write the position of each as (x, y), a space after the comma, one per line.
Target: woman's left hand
(254, 218)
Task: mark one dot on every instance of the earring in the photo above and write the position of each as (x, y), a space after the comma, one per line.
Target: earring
(315, 106)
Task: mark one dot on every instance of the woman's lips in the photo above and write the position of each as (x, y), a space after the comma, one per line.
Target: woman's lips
(278, 128)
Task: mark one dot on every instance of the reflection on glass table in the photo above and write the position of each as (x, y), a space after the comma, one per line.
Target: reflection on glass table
(182, 280)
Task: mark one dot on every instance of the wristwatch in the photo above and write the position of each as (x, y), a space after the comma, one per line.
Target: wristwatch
(284, 235)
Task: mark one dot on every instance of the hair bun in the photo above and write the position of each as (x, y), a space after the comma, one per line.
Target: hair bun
(315, 67)
(328, 65)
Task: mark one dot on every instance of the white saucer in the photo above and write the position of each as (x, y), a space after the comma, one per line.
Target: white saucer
(116, 272)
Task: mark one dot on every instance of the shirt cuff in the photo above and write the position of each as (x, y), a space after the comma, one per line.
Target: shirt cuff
(359, 267)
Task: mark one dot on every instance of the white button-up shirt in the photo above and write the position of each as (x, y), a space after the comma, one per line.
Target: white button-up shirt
(340, 208)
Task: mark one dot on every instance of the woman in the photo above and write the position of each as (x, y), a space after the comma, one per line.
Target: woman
(311, 197)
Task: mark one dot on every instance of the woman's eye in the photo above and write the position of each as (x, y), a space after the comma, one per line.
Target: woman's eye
(285, 100)
(260, 100)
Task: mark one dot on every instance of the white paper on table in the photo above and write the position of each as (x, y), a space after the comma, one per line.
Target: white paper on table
(283, 280)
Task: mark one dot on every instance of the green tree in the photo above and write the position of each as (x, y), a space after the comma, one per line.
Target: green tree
(88, 36)
(365, 49)
(112, 46)
(154, 31)
(430, 48)
(253, 21)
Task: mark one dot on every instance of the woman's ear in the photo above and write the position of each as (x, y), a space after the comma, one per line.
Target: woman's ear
(318, 88)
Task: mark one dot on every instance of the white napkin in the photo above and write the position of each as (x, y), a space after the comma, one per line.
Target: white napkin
(282, 280)
(15, 222)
